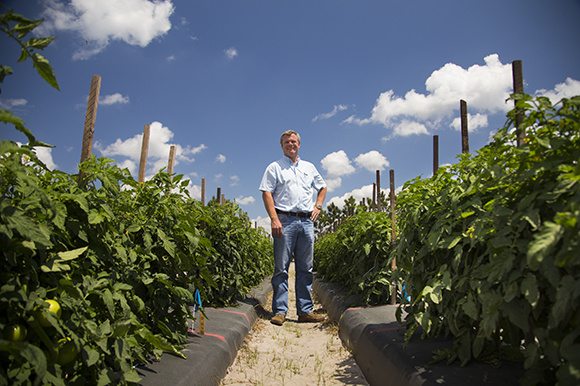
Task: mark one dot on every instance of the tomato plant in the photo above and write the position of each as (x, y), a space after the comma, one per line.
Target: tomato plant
(488, 247)
(15, 333)
(121, 259)
(53, 308)
(67, 351)
(358, 257)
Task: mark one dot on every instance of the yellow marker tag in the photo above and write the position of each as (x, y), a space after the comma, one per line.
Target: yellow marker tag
(201, 324)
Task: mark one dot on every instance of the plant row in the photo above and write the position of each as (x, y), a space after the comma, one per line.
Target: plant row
(488, 248)
(98, 275)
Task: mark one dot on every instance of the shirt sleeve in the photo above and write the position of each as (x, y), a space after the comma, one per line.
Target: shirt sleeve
(318, 183)
(269, 180)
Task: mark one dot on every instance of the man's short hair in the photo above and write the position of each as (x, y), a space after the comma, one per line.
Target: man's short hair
(289, 132)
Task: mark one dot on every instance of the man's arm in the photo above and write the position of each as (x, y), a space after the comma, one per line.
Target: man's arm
(319, 200)
(269, 204)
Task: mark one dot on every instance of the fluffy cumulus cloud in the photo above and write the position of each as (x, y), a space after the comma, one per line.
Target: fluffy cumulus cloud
(358, 194)
(330, 114)
(128, 152)
(484, 87)
(474, 122)
(45, 155)
(245, 200)
(220, 158)
(567, 89)
(372, 161)
(337, 164)
(135, 22)
(113, 99)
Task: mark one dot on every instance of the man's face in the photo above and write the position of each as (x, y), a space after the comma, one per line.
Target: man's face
(290, 145)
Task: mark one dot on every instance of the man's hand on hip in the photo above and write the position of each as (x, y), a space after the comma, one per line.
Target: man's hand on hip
(276, 228)
(314, 214)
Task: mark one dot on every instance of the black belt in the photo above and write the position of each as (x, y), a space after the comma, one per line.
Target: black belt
(297, 214)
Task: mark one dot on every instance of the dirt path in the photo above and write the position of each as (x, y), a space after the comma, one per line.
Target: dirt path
(295, 354)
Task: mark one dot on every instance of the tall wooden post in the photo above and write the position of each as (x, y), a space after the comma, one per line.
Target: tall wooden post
(393, 234)
(518, 77)
(90, 119)
(378, 190)
(435, 153)
(171, 161)
(464, 131)
(144, 151)
(203, 192)
(218, 198)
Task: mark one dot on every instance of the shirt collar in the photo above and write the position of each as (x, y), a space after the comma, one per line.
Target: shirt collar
(289, 160)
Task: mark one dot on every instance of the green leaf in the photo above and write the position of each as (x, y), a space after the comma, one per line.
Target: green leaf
(90, 355)
(95, 217)
(44, 70)
(73, 254)
(548, 235)
(529, 288)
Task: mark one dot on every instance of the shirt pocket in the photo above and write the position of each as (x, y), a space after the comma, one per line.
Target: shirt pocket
(306, 179)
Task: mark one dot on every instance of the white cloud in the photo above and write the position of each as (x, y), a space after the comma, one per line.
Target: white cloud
(136, 22)
(372, 161)
(157, 154)
(231, 53)
(485, 88)
(220, 158)
(45, 155)
(112, 99)
(406, 128)
(358, 194)
(337, 164)
(567, 89)
(331, 114)
(265, 223)
(170, 58)
(234, 180)
(333, 183)
(218, 177)
(474, 122)
(8, 104)
(245, 200)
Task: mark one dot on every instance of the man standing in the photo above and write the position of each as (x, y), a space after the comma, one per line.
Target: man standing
(288, 187)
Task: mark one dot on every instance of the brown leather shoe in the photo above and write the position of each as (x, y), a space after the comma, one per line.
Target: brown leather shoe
(311, 318)
(278, 319)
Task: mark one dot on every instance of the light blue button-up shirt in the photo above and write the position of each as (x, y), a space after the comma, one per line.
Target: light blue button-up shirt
(292, 185)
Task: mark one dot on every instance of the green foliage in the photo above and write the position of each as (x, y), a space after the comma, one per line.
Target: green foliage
(488, 247)
(242, 256)
(120, 258)
(357, 256)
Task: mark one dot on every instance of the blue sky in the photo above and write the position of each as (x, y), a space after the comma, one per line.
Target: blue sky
(366, 83)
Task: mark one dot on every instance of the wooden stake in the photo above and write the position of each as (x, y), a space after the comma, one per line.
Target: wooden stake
(219, 196)
(435, 154)
(203, 192)
(90, 119)
(378, 190)
(171, 161)
(393, 233)
(464, 132)
(518, 77)
(144, 151)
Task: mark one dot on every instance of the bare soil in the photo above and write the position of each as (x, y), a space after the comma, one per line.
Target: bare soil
(294, 354)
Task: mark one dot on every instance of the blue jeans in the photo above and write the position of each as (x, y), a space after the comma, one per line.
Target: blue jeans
(298, 239)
